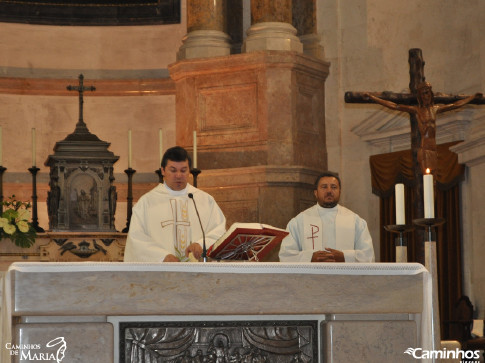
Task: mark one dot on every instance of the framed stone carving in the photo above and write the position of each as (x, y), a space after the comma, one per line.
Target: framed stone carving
(219, 341)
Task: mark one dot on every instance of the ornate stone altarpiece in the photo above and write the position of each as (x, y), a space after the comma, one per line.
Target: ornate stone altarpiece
(82, 196)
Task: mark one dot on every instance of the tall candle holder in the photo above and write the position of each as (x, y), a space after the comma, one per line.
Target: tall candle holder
(2, 170)
(129, 199)
(400, 240)
(431, 264)
(35, 221)
(195, 173)
(429, 224)
(160, 176)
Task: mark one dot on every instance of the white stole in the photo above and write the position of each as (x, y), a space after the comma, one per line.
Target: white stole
(344, 229)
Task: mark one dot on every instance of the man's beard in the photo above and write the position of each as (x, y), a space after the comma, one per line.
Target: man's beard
(329, 204)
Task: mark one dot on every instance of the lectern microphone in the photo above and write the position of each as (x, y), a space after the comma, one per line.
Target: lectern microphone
(204, 248)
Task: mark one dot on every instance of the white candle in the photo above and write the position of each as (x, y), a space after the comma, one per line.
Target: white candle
(129, 148)
(33, 146)
(400, 210)
(1, 146)
(160, 143)
(428, 195)
(195, 149)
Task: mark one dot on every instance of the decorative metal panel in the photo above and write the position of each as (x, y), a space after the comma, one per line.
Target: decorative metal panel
(221, 341)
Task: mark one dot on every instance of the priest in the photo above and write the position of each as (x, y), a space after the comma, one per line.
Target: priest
(327, 232)
(164, 224)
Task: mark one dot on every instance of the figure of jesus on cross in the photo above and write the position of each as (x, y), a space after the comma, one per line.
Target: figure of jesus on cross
(422, 110)
(425, 113)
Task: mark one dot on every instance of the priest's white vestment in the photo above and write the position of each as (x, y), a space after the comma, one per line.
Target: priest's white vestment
(165, 222)
(317, 228)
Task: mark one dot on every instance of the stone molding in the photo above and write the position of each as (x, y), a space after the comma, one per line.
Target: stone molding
(104, 87)
(390, 131)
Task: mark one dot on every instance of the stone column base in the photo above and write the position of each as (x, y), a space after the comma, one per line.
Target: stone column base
(272, 36)
(312, 46)
(204, 44)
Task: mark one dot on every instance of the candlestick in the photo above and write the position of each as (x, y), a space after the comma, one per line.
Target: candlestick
(129, 149)
(160, 176)
(160, 143)
(428, 195)
(1, 146)
(2, 170)
(195, 173)
(35, 221)
(400, 210)
(195, 150)
(33, 146)
(129, 199)
(401, 248)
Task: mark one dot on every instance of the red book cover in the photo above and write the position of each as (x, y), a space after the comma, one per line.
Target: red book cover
(246, 241)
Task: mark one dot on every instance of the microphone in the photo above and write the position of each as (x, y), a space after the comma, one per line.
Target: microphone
(204, 249)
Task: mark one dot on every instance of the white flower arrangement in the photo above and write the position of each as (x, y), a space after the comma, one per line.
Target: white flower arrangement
(14, 223)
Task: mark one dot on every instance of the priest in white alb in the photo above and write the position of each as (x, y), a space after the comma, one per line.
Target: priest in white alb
(327, 232)
(164, 225)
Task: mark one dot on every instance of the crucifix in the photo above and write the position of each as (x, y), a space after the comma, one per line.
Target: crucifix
(422, 112)
(81, 126)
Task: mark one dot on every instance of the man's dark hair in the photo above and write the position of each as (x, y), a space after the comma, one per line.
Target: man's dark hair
(327, 174)
(175, 153)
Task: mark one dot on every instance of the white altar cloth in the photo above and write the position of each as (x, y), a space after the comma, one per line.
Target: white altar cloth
(426, 341)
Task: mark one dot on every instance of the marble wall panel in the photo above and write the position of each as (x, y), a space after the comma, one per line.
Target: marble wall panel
(83, 342)
(368, 341)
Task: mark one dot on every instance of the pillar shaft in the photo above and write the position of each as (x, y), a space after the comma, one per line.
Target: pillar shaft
(206, 15)
(305, 21)
(270, 11)
(304, 16)
(206, 25)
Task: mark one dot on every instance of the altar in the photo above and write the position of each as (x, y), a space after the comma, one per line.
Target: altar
(125, 312)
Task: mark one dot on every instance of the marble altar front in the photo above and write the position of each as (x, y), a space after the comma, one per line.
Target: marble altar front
(369, 312)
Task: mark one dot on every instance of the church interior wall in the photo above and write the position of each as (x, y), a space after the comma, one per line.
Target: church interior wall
(118, 53)
(366, 43)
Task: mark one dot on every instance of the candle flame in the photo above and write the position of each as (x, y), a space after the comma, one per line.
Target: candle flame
(428, 171)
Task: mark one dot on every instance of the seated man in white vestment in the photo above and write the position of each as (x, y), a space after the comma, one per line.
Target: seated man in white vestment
(327, 232)
(164, 225)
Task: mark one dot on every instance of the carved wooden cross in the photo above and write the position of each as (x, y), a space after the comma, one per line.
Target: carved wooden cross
(416, 72)
(81, 89)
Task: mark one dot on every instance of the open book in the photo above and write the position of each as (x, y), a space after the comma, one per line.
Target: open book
(246, 241)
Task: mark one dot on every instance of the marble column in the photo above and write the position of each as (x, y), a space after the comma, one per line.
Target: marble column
(271, 27)
(206, 37)
(471, 152)
(305, 22)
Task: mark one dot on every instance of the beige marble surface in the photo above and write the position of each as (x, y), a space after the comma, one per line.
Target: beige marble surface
(84, 342)
(143, 293)
(368, 342)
